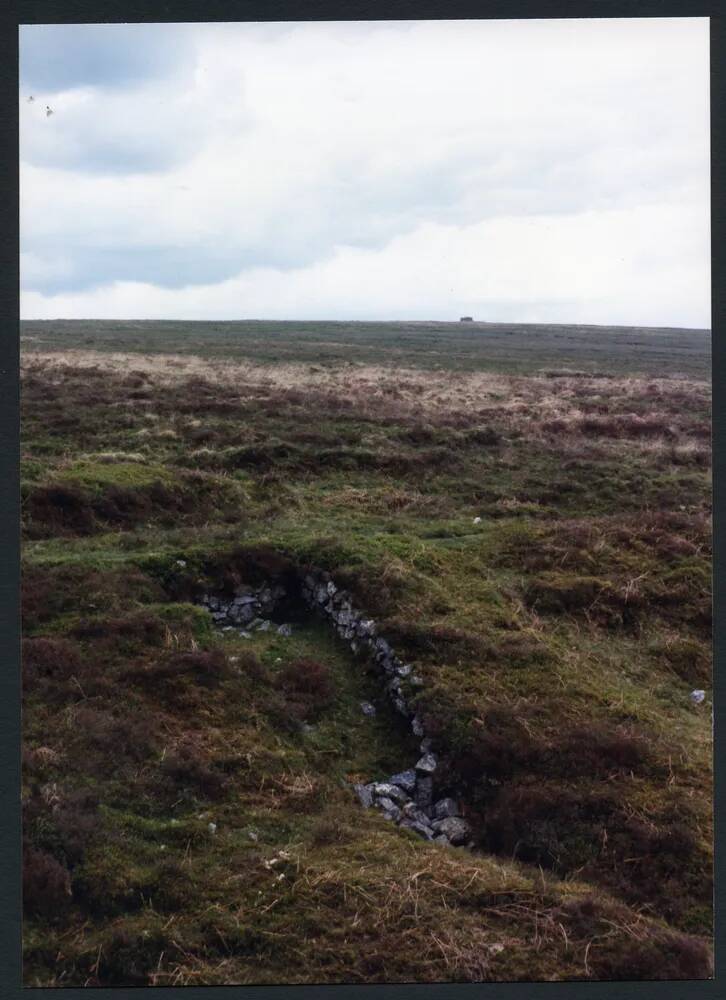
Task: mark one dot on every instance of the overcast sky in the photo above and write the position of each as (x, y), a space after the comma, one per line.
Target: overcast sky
(534, 171)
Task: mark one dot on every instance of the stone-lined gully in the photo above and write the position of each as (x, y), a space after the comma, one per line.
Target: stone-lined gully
(407, 797)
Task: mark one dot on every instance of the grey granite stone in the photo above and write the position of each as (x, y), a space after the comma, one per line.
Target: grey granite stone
(405, 780)
(385, 790)
(427, 763)
(365, 795)
(390, 809)
(445, 807)
(420, 828)
(454, 827)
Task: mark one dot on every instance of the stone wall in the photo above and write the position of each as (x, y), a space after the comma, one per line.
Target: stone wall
(407, 797)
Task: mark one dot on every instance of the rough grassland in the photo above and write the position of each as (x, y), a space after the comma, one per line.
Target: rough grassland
(559, 637)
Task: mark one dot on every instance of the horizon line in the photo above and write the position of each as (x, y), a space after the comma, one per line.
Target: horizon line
(452, 322)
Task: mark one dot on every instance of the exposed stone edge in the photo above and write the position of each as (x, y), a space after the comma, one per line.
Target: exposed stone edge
(405, 798)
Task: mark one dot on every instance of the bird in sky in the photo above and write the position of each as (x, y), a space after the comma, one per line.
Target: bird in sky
(48, 111)
(31, 98)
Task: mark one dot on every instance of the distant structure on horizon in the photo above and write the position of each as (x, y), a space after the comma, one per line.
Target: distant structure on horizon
(466, 319)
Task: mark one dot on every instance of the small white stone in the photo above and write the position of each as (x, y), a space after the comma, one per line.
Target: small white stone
(477, 520)
(697, 697)
(212, 827)
(427, 763)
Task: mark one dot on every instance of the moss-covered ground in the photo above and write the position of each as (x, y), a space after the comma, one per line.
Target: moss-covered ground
(534, 540)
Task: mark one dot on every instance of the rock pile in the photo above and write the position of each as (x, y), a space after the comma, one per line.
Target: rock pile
(401, 800)
(247, 609)
(406, 798)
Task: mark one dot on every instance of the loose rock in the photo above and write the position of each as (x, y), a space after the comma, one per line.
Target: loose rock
(390, 809)
(405, 780)
(444, 808)
(365, 795)
(417, 726)
(427, 763)
(411, 811)
(383, 789)
(420, 828)
(456, 829)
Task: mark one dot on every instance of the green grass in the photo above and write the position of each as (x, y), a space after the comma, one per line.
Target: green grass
(98, 476)
(559, 638)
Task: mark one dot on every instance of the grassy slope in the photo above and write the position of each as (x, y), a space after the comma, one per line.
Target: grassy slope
(559, 638)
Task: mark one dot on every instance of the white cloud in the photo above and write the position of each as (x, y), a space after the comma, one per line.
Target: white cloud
(617, 266)
(551, 169)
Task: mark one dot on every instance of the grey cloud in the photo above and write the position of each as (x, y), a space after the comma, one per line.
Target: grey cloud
(366, 213)
(356, 208)
(105, 145)
(117, 133)
(166, 267)
(55, 57)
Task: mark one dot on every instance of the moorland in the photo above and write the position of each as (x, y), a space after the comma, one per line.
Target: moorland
(526, 513)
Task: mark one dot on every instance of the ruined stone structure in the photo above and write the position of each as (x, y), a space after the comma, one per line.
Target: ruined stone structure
(407, 797)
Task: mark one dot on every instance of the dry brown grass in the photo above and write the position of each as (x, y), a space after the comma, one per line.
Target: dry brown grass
(422, 390)
(571, 408)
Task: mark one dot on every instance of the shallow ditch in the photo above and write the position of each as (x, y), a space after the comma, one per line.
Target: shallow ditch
(407, 797)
